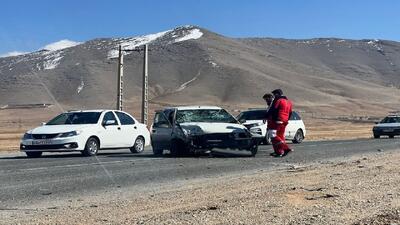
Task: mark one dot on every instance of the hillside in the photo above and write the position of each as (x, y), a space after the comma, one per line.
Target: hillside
(190, 65)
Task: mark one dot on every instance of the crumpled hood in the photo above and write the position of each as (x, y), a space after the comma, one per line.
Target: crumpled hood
(210, 128)
(55, 129)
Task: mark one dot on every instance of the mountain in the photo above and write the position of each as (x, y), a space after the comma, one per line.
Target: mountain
(191, 65)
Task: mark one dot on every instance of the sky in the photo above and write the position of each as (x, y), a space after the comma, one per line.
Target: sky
(29, 25)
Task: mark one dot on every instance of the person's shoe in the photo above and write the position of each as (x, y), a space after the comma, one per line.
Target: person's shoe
(274, 154)
(287, 151)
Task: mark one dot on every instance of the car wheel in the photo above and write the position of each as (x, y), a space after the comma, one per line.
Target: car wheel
(298, 137)
(91, 147)
(178, 148)
(33, 154)
(253, 150)
(138, 147)
(376, 136)
(391, 136)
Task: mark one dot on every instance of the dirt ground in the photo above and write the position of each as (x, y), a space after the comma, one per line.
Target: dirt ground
(360, 190)
(15, 122)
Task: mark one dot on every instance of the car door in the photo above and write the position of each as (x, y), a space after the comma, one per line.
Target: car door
(129, 129)
(110, 135)
(292, 126)
(161, 131)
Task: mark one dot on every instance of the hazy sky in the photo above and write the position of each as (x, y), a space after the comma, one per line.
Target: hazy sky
(28, 25)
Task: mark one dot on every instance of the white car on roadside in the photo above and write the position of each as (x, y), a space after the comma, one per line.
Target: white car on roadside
(254, 121)
(87, 132)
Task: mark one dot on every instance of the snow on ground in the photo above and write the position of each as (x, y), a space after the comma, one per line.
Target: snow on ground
(191, 35)
(80, 87)
(61, 45)
(184, 85)
(52, 61)
(132, 43)
(13, 53)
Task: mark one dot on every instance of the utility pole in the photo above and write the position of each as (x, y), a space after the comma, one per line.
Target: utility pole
(145, 87)
(145, 84)
(120, 76)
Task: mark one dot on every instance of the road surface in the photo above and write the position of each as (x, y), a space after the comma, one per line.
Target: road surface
(56, 177)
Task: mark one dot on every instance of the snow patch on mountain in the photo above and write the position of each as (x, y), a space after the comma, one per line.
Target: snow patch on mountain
(190, 35)
(51, 61)
(132, 43)
(61, 45)
(13, 53)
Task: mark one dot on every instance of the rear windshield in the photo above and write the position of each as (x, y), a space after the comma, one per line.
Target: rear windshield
(252, 115)
(391, 120)
(75, 118)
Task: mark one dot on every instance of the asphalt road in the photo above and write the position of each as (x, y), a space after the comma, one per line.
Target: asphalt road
(25, 181)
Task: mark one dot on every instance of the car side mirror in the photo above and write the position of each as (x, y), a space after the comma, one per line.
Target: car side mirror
(43, 123)
(108, 122)
(376, 122)
(242, 120)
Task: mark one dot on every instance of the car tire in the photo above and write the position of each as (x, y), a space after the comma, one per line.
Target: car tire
(91, 147)
(377, 136)
(33, 154)
(138, 147)
(298, 137)
(178, 148)
(391, 136)
(253, 150)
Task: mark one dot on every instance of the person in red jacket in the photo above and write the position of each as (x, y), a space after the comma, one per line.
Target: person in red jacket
(269, 98)
(280, 112)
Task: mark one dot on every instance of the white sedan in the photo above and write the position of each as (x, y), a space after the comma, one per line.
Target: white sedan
(86, 131)
(253, 120)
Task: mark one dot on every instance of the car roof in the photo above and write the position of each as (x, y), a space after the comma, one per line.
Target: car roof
(393, 116)
(194, 107)
(92, 110)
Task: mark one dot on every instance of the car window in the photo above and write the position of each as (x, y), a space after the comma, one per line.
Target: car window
(204, 115)
(160, 121)
(294, 116)
(75, 118)
(391, 120)
(125, 119)
(110, 116)
(253, 115)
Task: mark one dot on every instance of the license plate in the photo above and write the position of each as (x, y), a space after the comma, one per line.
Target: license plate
(388, 130)
(41, 142)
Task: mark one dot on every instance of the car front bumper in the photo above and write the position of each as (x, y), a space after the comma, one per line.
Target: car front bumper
(387, 131)
(51, 145)
(222, 141)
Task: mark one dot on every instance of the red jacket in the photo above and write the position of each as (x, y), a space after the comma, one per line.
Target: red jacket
(280, 110)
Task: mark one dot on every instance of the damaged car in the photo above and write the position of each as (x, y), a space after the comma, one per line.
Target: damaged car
(199, 129)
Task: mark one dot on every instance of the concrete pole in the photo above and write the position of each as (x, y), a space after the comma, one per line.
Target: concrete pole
(145, 87)
(120, 78)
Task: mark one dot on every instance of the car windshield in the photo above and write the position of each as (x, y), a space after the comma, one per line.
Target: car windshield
(252, 115)
(204, 115)
(75, 118)
(391, 120)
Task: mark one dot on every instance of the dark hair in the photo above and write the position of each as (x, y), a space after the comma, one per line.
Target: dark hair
(277, 92)
(268, 95)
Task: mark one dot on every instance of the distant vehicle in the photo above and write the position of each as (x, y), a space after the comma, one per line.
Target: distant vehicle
(86, 131)
(389, 126)
(198, 129)
(253, 120)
